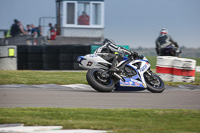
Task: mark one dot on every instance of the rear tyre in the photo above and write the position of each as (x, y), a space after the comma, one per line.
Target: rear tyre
(154, 83)
(99, 83)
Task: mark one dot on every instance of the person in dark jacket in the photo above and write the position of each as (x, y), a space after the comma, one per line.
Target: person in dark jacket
(15, 29)
(165, 45)
(110, 52)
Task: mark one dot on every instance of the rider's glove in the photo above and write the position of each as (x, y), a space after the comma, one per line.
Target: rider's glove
(140, 56)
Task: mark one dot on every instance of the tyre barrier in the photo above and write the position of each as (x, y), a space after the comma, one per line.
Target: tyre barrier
(82, 49)
(66, 66)
(50, 49)
(66, 49)
(22, 57)
(164, 67)
(35, 49)
(35, 57)
(176, 69)
(184, 70)
(35, 65)
(52, 57)
(66, 57)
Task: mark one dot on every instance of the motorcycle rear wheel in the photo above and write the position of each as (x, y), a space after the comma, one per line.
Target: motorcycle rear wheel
(99, 83)
(154, 83)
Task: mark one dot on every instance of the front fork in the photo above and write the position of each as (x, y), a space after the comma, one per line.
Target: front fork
(149, 72)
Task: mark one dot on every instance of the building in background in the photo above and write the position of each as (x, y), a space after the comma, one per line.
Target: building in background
(76, 22)
(80, 21)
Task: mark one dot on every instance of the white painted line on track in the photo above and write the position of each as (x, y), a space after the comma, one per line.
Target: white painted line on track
(79, 86)
(13, 128)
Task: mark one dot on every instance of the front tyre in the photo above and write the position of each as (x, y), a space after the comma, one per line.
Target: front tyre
(98, 82)
(154, 83)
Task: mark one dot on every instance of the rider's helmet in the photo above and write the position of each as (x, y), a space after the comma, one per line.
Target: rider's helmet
(107, 40)
(163, 31)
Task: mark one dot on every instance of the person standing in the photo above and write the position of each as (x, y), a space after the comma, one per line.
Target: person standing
(21, 27)
(15, 30)
(33, 31)
(28, 29)
(39, 31)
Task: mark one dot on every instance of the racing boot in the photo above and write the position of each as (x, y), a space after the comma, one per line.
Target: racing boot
(113, 67)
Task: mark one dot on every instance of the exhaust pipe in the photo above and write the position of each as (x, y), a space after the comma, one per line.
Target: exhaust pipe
(118, 77)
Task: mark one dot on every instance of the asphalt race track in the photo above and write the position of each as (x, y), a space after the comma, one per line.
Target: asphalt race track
(83, 96)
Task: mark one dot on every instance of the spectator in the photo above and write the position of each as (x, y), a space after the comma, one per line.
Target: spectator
(28, 29)
(52, 32)
(21, 27)
(33, 31)
(51, 27)
(15, 30)
(55, 27)
(39, 31)
(84, 19)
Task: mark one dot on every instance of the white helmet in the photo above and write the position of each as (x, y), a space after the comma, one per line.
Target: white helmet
(163, 31)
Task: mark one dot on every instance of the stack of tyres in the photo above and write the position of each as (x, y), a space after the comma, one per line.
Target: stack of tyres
(35, 60)
(66, 57)
(184, 70)
(164, 67)
(80, 50)
(22, 57)
(51, 57)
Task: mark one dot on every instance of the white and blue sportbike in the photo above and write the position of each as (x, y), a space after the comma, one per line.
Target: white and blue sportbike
(133, 73)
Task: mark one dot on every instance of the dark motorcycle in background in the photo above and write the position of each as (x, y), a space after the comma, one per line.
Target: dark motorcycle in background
(170, 51)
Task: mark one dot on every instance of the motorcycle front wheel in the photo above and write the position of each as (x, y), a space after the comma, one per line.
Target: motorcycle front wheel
(154, 83)
(98, 82)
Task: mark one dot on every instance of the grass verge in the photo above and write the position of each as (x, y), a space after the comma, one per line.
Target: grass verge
(60, 78)
(117, 120)
(42, 77)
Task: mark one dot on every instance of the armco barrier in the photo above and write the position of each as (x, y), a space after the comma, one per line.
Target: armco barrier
(176, 69)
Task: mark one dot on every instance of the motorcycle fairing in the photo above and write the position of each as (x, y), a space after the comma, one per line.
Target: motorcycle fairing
(131, 82)
(93, 61)
(138, 79)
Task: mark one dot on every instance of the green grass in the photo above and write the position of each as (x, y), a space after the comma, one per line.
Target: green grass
(41, 77)
(117, 120)
(60, 78)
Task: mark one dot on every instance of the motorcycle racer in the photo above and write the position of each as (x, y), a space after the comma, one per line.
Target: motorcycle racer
(111, 52)
(165, 45)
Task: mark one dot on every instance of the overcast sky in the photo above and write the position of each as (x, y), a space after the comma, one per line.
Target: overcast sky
(128, 22)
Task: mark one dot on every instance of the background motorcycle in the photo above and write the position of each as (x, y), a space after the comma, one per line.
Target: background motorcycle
(133, 73)
(170, 51)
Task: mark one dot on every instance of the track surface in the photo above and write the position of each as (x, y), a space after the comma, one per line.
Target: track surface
(85, 97)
